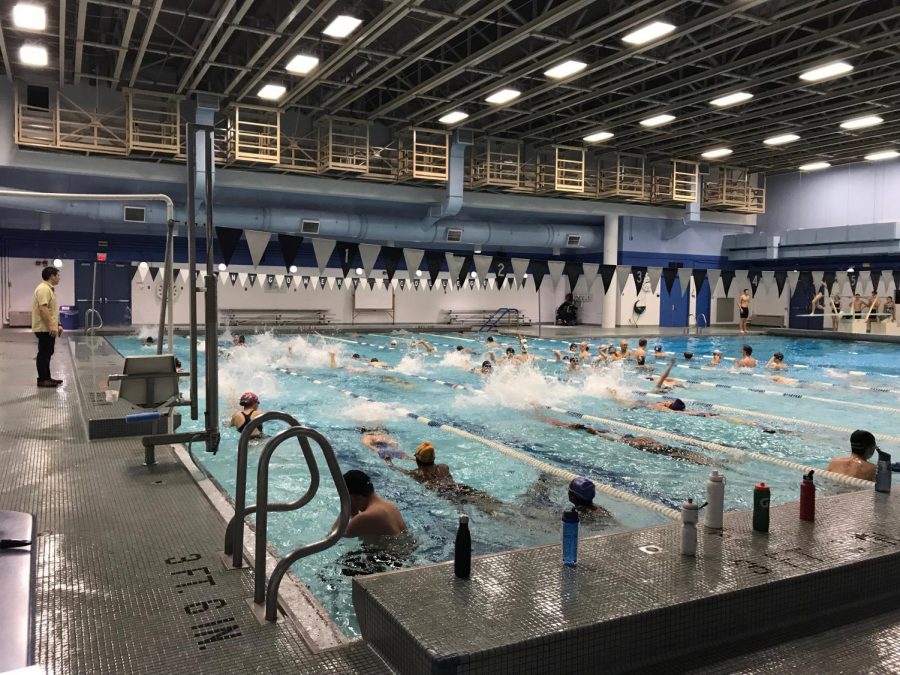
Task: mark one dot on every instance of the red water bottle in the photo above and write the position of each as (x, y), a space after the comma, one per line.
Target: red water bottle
(808, 498)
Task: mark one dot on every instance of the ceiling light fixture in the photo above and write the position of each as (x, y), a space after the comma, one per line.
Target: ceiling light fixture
(503, 96)
(882, 154)
(342, 26)
(815, 166)
(292, 269)
(29, 17)
(648, 33)
(781, 139)
(826, 72)
(731, 99)
(657, 120)
(302, 64)
(33, 55)
(222, 267)
(715, 153)
(862, 122)
(272, 92)
(453, 117)
(565, 69)
(598, 136)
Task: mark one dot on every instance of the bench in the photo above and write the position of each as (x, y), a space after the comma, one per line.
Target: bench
(281, 317)
(17, 568)
(477, 317)
(768, 320)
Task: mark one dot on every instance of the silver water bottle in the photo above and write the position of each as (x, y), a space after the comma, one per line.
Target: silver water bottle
(883, 473)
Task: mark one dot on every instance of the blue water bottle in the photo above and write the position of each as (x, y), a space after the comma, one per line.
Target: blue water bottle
(570, 537)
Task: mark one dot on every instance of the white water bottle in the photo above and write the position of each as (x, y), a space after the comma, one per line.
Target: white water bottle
(690, 513)
(715, 500)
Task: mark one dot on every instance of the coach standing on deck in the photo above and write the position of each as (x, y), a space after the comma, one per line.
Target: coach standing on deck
(45, 324)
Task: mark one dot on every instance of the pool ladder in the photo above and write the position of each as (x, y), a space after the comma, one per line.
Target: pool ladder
(263, 593)
(698, 328)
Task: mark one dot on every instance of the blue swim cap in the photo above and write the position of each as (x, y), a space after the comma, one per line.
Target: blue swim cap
(583, 489)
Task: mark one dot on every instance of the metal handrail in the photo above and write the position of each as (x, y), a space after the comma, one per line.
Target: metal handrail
(495, 318)
(91, 312)
(269, 593)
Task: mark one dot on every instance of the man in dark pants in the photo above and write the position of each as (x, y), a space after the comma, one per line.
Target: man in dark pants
(45, 324)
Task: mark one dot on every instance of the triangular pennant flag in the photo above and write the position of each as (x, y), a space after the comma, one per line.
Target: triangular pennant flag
(355, 281)
(323, 282)
(556, 268)
(153, 272)
(185, 274)
(828, 278)
(270, 280)
(538, 272)
(639, 274)
(339, 282)
(853, 279)
(233, 276)
(433, 261)
(465, 268)
(864, 284)
(755, 279)
(290, 246)
(727, 278)
(332, 282)
(444, 284)
(607, 274)
(792, 279)
(684, 278)
(502, 267)
(768, 278)
(669, 275)
(573, 271)
(371, 282)
(818, 278)
(896, 275)
(623, 276)
(520, 268)
(390, 256)
(387, 283)
(368, 254)
(482, 265)
(289, 279)
(459, 284)
(348, 255)
(141, 272)
(590, 271)
(454, 265)
(780, 280)
(471, 284)
(699, 276)
(500, 282)
(803, 278)
(416, 283)
(242, 278)
(251, 277)
(713, 276)
(485, 283)
(323, 248)
(430, 284)
(279, 280)
(228, 241)
(875, 278)
(257, 243)
(402, 283)
(413, 258)
(223, 278)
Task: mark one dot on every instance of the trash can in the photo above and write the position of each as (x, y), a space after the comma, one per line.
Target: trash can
(68, 317)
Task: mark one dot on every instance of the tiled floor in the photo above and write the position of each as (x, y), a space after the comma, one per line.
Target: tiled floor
(129, 578)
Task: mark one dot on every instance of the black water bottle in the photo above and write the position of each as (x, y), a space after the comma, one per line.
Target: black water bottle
(462, 558)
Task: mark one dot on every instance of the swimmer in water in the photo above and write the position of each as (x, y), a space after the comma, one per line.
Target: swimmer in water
(777, 362)
(239, 341)
(658, 352)
(716, 358)
(332, 361)
(666, 383)
(464, 350)
(746, 360)
(430, 348)
(581, 495)
(624, 351)
(149, 342)
(249, 410)
(370, 514)
(486, 368)
(379, 441)
(688, 356)
(641, 354)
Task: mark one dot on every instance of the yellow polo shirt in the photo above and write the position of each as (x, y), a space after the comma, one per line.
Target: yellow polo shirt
(44, 294)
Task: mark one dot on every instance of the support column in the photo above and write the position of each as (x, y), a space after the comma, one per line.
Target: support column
(611, 257)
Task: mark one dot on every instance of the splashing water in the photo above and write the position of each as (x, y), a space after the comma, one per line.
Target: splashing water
(410, 365)
(457, 360)
(521, 387)
(608, 382)
(371, 412)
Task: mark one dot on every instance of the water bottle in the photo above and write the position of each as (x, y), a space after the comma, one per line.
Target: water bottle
(570, 537)
(808, 498)
(761, 497)
(715, 500)
(883, 473)
(690, 514)
(462, 556)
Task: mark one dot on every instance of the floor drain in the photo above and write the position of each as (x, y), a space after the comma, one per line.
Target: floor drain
(651, 549)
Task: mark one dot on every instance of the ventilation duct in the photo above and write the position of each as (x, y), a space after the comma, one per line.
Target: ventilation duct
(134, 214)
(454, 234)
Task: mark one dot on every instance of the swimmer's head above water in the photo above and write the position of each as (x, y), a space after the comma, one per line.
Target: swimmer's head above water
(677, 405)
(360, 488)
(582, 491)
(425, 454)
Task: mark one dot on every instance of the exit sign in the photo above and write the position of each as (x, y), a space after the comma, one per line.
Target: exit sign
(101, 257)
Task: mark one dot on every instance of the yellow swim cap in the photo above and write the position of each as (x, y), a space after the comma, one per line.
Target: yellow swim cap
(425, 453)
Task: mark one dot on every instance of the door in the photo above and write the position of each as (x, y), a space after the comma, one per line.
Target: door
(106, 287)
(704, 304)
(84, 290)
(674, 307)
(801, 303)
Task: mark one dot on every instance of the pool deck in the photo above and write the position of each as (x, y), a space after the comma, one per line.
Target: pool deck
(129, 576)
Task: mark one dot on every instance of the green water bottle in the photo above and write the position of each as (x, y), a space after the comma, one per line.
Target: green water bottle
(761, 496)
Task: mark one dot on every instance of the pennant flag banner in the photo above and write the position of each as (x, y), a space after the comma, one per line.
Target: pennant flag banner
(804, 278)
(348, 255)
(368, 253)
(573, 271)
(233, 277)
(402, 284)
(639, 274)
(865, 279)
(332, 282)
(699, 277)
(430, 284)
(853, 278)
(829, 278)
(896, 275)
(454, 265)
(433, 261)
(841, 282)
(465, 268)
(355, 282)
(482, 265)
(185, 274)
(323, 248)
(242, 279)
(607, 274)
(290, 246)
(390, 256)
(270, 280)
(556, 269)
(684, 278)
(416, 283)
(153, 272)
(339, 282)
(538, 271)
(444, 284)
(223, 278)
(793, 278)
(471, 284)
(727, 277)
(780, 280)
(520, 268)
(875, 277)
(755, 279)
(257, 243)
(590, 270)
(502, 267)
(228, 241)
(713, 276)
(623, 276)
(323, 281)
(252, 279)
(818, 279)
(371, 282)
(669, 275)
(413, 258)
(768, 278)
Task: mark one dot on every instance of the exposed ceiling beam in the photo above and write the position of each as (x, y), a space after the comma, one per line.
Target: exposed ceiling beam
(221, 14)
(226, 36)
(79, 38)
(145, 40)
(62, 42)
(126, 38)
(3, 53)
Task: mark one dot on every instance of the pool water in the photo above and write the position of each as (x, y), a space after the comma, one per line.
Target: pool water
(843, 386)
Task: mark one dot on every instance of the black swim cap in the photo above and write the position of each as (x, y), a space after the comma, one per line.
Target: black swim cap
(677, 405)
(358, 483)
(748, 349)
(355, 356)
(486, 364)
(778, 356)
(459, 348)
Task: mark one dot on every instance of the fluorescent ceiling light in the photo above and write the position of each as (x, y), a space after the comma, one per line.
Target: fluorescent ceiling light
(453, 117)
(33, 55)
(731, 99)
(272, 92)
(715, 153)
(598, 136)
(826, 72)
(342, 26)
(503, 96)
(781, 139)
(814, 166)
(648, 33)
(657, 120)
(862, 122)
(29, 17)
(302, 64)
(565, 69)
(882, 154)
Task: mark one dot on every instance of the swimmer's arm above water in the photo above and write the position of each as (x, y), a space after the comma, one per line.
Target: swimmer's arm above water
(665, 375)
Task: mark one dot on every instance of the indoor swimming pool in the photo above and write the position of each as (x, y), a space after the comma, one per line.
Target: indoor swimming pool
(499, 433)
